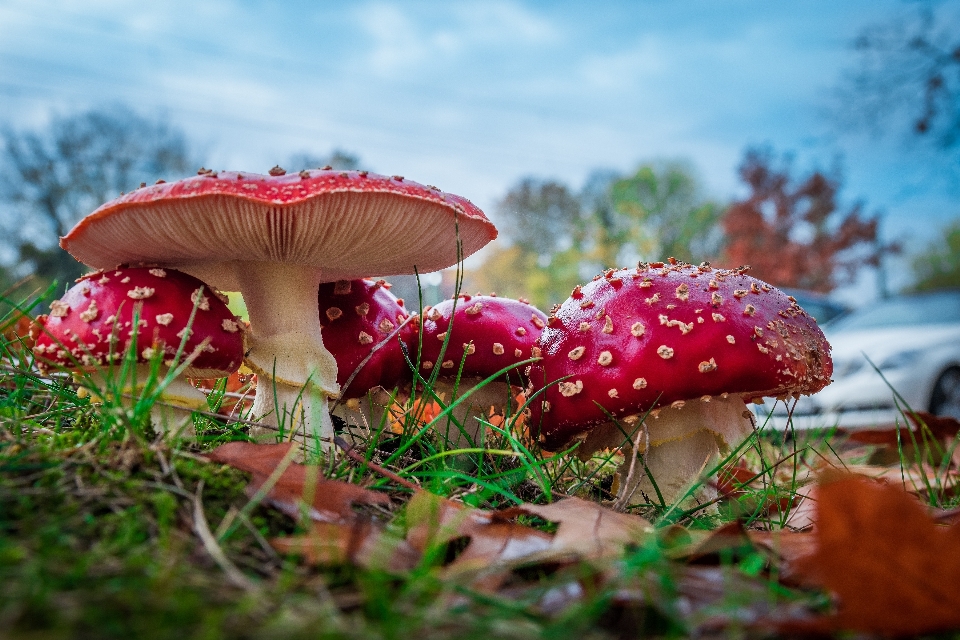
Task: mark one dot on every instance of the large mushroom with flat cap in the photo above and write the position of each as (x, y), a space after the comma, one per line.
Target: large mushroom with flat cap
(672, 352)
(275, 238)
(163, 312)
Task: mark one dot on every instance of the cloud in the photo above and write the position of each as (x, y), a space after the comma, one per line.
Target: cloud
(403, 37)
(488, 22)
(625, 68)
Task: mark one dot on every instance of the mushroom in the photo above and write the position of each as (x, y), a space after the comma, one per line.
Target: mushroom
(91, 327)
(275, 239)
(470, 338)
(356, 318)
(671, 351)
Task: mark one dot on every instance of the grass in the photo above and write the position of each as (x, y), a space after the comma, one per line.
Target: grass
(99, 528)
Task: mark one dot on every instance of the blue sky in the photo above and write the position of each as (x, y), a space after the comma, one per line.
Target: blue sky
(471, 96)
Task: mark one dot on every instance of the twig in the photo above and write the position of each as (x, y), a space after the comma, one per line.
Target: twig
(621, 502)
(353, 455)
(202, 529)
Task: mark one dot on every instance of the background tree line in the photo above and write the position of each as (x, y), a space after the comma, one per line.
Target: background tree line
(792, 231)
(791, 227)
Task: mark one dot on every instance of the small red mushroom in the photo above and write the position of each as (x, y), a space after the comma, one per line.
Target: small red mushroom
(471, 338)
(363, 326)
(91, 328)
(688, 344)
(356, 316)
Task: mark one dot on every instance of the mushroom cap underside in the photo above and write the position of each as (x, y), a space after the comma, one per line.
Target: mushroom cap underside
(347, 224)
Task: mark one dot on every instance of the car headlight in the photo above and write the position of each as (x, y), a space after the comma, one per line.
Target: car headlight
(900, 360)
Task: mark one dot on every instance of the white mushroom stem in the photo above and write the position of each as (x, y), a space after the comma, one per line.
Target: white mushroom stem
(296, 372)
(366, 416)
(678, 444)
(172, 411)
(471, 410)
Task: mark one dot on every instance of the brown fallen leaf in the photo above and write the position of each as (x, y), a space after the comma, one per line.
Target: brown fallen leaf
(20, 330)
(893, 570)
(704, 546)
(298, 485)
(587, 529)
(788, 548)
(436, 520)
(944, 427)
(802, 515)
(240, 387)
(915, 479)
(732, 479)
(736, 482)
(363, 543)
(494, 548)
(940, 427)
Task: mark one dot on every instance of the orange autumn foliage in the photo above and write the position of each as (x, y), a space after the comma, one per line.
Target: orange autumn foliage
(793, 234)
(423, 411)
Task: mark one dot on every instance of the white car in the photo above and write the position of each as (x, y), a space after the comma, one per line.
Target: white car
(897, 354)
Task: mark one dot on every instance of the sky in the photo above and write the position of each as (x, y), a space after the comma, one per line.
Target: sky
(472, 96)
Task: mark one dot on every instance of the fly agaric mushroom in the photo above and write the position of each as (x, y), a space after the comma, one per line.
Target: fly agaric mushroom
(91, 327)
(274, 239)
(688, 344)
(356, 317)
(485, 334)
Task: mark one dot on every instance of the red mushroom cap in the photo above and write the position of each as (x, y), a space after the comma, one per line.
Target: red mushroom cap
(347, 223)
(635, 339)
(495, 332)
(80, 325)
(356, 316)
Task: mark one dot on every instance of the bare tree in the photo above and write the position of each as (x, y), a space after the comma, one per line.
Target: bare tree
(908, 71)
(52, 177)
(544, 230)
(540, 216)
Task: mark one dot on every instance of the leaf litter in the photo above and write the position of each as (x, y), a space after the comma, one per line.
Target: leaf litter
(888, 562)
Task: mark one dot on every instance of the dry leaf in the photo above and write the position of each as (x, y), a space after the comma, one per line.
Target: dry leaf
(707, 545)
(587, 529)
(737, 481)
(893, 570)
(240, 387)
(941, 427)
(914, 479)
(732, 479)
(330, 500)
(803, 514)
(363, 543)
(434, 520)
(789, 548)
